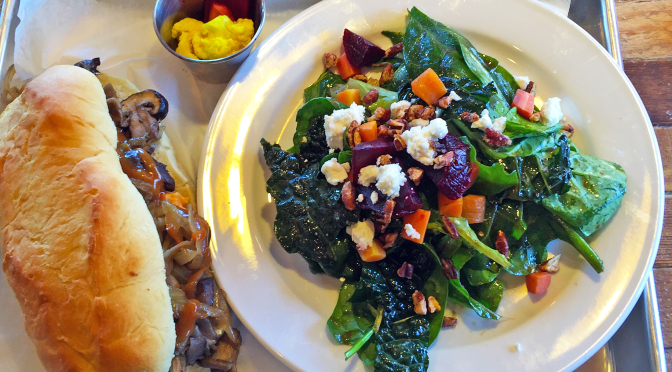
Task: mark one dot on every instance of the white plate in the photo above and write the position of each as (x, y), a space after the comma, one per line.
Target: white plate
(286, 307)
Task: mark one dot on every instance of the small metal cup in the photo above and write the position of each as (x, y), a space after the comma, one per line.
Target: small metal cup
(168, 12)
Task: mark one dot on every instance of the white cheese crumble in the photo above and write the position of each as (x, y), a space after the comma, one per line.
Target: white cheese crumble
(368, 175)
(454, 96)
(418, 123)
(374, 197)
(334, 171)
(417, 140)
(362, 233)
(360, 198)
(551, 113)
(398, 109)
(411, 232)
(390, 179)
(522, 81)
(338, 122)
(485, 121)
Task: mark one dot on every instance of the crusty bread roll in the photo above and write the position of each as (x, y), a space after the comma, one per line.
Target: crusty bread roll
(79, 247)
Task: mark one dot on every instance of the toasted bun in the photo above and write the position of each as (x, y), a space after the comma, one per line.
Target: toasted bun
(79, 247)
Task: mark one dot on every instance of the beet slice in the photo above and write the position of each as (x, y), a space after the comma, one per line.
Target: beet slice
(453, 180)
(360, 51)
(366, 153)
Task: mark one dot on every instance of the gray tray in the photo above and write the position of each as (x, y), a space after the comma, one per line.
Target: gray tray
(637, 346)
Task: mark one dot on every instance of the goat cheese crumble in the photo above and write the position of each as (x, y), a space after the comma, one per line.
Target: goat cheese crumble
(398, 109)
(362, 233)
(411, 232)
(368, 175)
(417, 140)
(338, 122)
(485, 121)
(522, 81)
(390, 179)
(374, 197)
(334, 171)
(418, 123)
(551, 113)
(360, 198)
(454, 96)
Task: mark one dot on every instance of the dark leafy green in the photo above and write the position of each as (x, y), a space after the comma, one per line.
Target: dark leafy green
(402, 346)
(309, 138)
(322, 86)
(491, 179)
(395, 37)
(490, 294)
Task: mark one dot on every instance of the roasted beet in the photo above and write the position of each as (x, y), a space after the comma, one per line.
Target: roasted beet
(360, 51)
(366, 153)
(453, 180)
(407, 202)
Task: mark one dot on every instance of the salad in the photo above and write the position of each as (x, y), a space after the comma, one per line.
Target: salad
(422, 174)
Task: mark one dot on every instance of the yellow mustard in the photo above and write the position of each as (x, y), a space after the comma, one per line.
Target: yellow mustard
(218, 38)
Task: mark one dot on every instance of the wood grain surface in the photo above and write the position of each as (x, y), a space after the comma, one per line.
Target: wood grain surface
(645, 28)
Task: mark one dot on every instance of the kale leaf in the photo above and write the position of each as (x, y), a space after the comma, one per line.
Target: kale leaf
(309, 138)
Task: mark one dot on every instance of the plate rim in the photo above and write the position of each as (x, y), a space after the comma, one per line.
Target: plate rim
(203, 187)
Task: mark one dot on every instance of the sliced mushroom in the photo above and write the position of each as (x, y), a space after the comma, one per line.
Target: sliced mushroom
(90, 65)
(141, 113)
(114, 107)
(109, 91)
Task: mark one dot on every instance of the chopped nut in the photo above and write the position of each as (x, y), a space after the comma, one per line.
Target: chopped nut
(449, 322)
(329, 60)
(399, 142)
(388, 208)
(535, 117)
(388, 73)
(373, 82)
(399, 125)
(357, 139)
(433, 304)
(450, 227)
(348, 195)
(427, 113)
(495, 139)
(360, 77)
(551, 265)
(354, 125)
(438, 146)
(444, 102)
(370, 97)
(469, 117)
(567, 129)
(449, 268)
(383, 131)
(419, 304)
(531, 88)
(501, 244)
(443, 160)
(384, 160)
(405, 271)
(413, 111)
(389, 239)
(394, 50)
(415, 174)
(381, 114)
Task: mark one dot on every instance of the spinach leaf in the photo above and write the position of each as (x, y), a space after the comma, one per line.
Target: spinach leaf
(399, 78)
(321, 87)
(491, 294)
(310, 216)
(554, 167)
(402, 346)
(471, 238)
(385, 97)
(523, 258)
(491, 179)
(437, 286)
(309, 137)
(459, 294)
(395, 37)
(480, 270)
(596, 190)
(349, 322)
(505, 82)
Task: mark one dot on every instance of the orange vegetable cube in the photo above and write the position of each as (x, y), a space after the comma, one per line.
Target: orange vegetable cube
(345, 69)
(368, 131)
(429, 87)
(373, 253)
(450, 207)
(349, 96)
(537, 283)
(473, 208)
(419, 220)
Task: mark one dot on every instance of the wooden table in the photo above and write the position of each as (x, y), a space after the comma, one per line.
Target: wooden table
(646, 42)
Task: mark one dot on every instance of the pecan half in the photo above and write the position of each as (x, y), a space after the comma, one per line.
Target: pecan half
(535, 117)
(448, 268)
(348, 195)
(449, 322)
(399, 125)
(551, 265)
(388, 208)
(438, 146)
(567, 129)
(413, 112)
(469, 117)
(357, 139)
(415, 174)
(394, 50)
(383, 131)
(450, 227)
(329, 60)
(419, 304)
(354, 125)
(387, 74)
(399, 142)
(427, 113)
(370, 97)
(495, 139)
(444, 102)
(389, 239)
(360, 77)
(531, 88)
(443, 160)
(433, 304)
(501, 244)
(405, 271)
(381, 114)
(384, 160)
